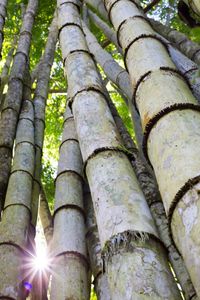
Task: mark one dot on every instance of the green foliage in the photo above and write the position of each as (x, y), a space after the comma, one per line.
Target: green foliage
(93, 295)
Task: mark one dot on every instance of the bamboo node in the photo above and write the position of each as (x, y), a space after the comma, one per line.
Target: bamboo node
(71, 2)
(82, 258)
(109, 11)
(86, 89)
(69, 24)
(159, 115)
(69, 206)
(126, 20)
(144, 36)
(19, 204)
(73, 172)
(178, 197)
(119, 149)
(163, 68)
(70, 139)
(77, 51)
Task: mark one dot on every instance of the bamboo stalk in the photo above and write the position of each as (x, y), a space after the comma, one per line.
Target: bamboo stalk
(152, 195)
(107, 30)
(45, 216)
(12, 104)
(171, 125)
(40, 98)
(123, 223)
(179, 39)
(94, 249)
(14, 227)
(70, 269)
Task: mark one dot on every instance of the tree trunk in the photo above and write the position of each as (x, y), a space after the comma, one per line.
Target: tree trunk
(127, 233)
(3, 13)
(94, 248)
(14, 227)
(180, 40)
(69, 275)
(45, 216)
(40, 98)
(171, 125)
(11, 109)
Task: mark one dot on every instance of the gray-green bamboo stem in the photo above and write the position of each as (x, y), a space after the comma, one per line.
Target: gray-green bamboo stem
(70, 268)
(171, 125)
(152, 195)
(5, 70)
(179, 39)
(40, 98)
(46, 217)
(14, 228)
(12, 104)
(107, 30)
(182, 62)
(85, 15)
(123, 217)
(3, 12)
(94, 249)
(98, 6)
(117, 75)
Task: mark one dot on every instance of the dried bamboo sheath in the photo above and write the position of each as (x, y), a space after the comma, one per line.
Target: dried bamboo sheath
(70, 267)
(171, 125)
(123, 217)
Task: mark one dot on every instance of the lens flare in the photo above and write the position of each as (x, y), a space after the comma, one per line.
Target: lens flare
(41, 261)
(28, 286)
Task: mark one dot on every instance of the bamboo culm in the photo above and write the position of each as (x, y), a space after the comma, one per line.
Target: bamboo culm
(40, 98)
(168, 123)
(14, 227)
(114, 188)
(12, 104)
(70, 268)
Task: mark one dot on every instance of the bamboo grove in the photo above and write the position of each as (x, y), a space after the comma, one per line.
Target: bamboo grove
(126, 216)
